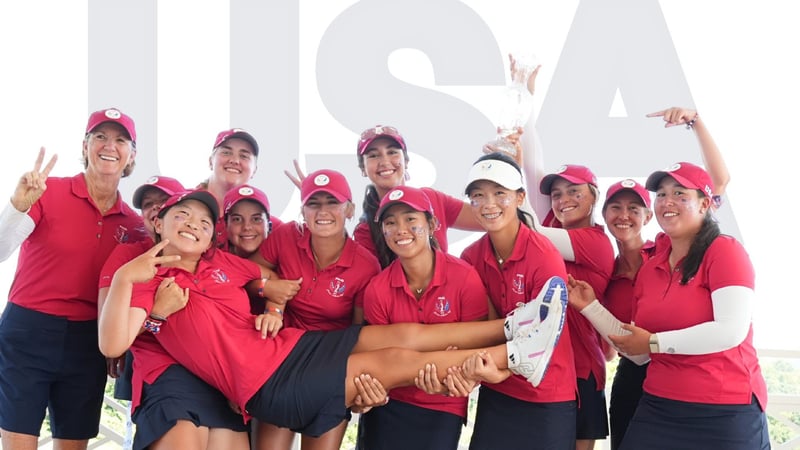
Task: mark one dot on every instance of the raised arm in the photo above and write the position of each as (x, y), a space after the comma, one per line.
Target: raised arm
(712, 157)
(15, 224)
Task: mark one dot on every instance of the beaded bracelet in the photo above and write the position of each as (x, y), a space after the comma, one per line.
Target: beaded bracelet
(261, 287)
(152, 325)
(274, 309)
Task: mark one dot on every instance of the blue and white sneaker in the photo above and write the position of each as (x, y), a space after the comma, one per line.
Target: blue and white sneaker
(535, 311)
(530, 351)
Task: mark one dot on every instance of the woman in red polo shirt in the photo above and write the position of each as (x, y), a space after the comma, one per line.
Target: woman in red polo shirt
(422, 285)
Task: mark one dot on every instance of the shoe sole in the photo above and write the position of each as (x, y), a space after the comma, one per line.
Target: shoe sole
(555, 335)
(544, 307)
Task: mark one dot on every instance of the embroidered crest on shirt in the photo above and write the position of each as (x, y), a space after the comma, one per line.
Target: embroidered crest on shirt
(219, 276)
(121, 235)
(336, 288)
(518, 285)
(442, 307)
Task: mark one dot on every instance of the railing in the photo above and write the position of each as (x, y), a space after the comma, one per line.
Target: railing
(782, 407)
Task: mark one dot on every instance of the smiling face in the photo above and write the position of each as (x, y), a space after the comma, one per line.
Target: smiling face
(384, 163)
(247, 227)
(406, 231)
(494, 206)
(625, 214)
(233, 163)
(325, 215)
(679, 210)
(108, 150)
(189, 226)
(152, 200)
(572, 203)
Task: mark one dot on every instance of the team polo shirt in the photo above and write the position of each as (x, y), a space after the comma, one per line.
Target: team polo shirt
(455, 294)
(445, 207)
(663, 304)
(120, 256)
(214, 336)
(594, 264)
(59, 263)
(326, 297)
(150, 358)
(618, 298)
(533, 261)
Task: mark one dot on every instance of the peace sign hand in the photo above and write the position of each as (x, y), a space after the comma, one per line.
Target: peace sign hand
(145, 266)
(32, 184)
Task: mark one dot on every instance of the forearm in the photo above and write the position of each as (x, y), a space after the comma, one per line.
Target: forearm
(712, 157)
(606, 324)
(732, 318)
(533, 167)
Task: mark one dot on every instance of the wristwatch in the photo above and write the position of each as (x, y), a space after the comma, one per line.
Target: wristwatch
(653, 343)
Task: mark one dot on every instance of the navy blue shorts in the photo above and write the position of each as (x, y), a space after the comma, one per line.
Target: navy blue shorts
(660, 423)
(506, 422)
(306, 393)
(401, 426)
(625, 394)
(592, 422)
(179, 395)
(48, 362)
(123, 385)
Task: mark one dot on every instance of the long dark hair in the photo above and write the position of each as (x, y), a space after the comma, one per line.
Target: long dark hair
(370, 207)
(525, 217)
(709, 231)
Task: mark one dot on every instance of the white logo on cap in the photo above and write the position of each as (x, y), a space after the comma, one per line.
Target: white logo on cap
(561, 169)
(245, 191)
(113, 114)
(321, 180)
(395, 195)
(237, 130)
(674, 167)
(627, 183)
(152, 180)
(378, 130)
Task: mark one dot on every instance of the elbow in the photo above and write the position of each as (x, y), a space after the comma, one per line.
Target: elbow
(111, 349)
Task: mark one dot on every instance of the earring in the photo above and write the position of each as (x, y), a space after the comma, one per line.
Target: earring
(406, 176)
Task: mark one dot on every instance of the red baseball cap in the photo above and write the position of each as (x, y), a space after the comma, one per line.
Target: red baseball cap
(245, 192)
(687, 175)
(629, 185)
(236, 133)
(325, 180)
(413, 197)
(167, 185)
(112, 115)
(573, 173)
(379, 131)
(207, 198)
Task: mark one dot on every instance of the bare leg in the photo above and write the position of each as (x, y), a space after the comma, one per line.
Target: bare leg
(18, 441)
(70, 444)
(431, 337)
(584, 444)
(331, 440)
(184, 435)
(227, 439)
(273, 437)
(397, 367)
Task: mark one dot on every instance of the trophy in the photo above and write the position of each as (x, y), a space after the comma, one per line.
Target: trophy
(517, 102)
